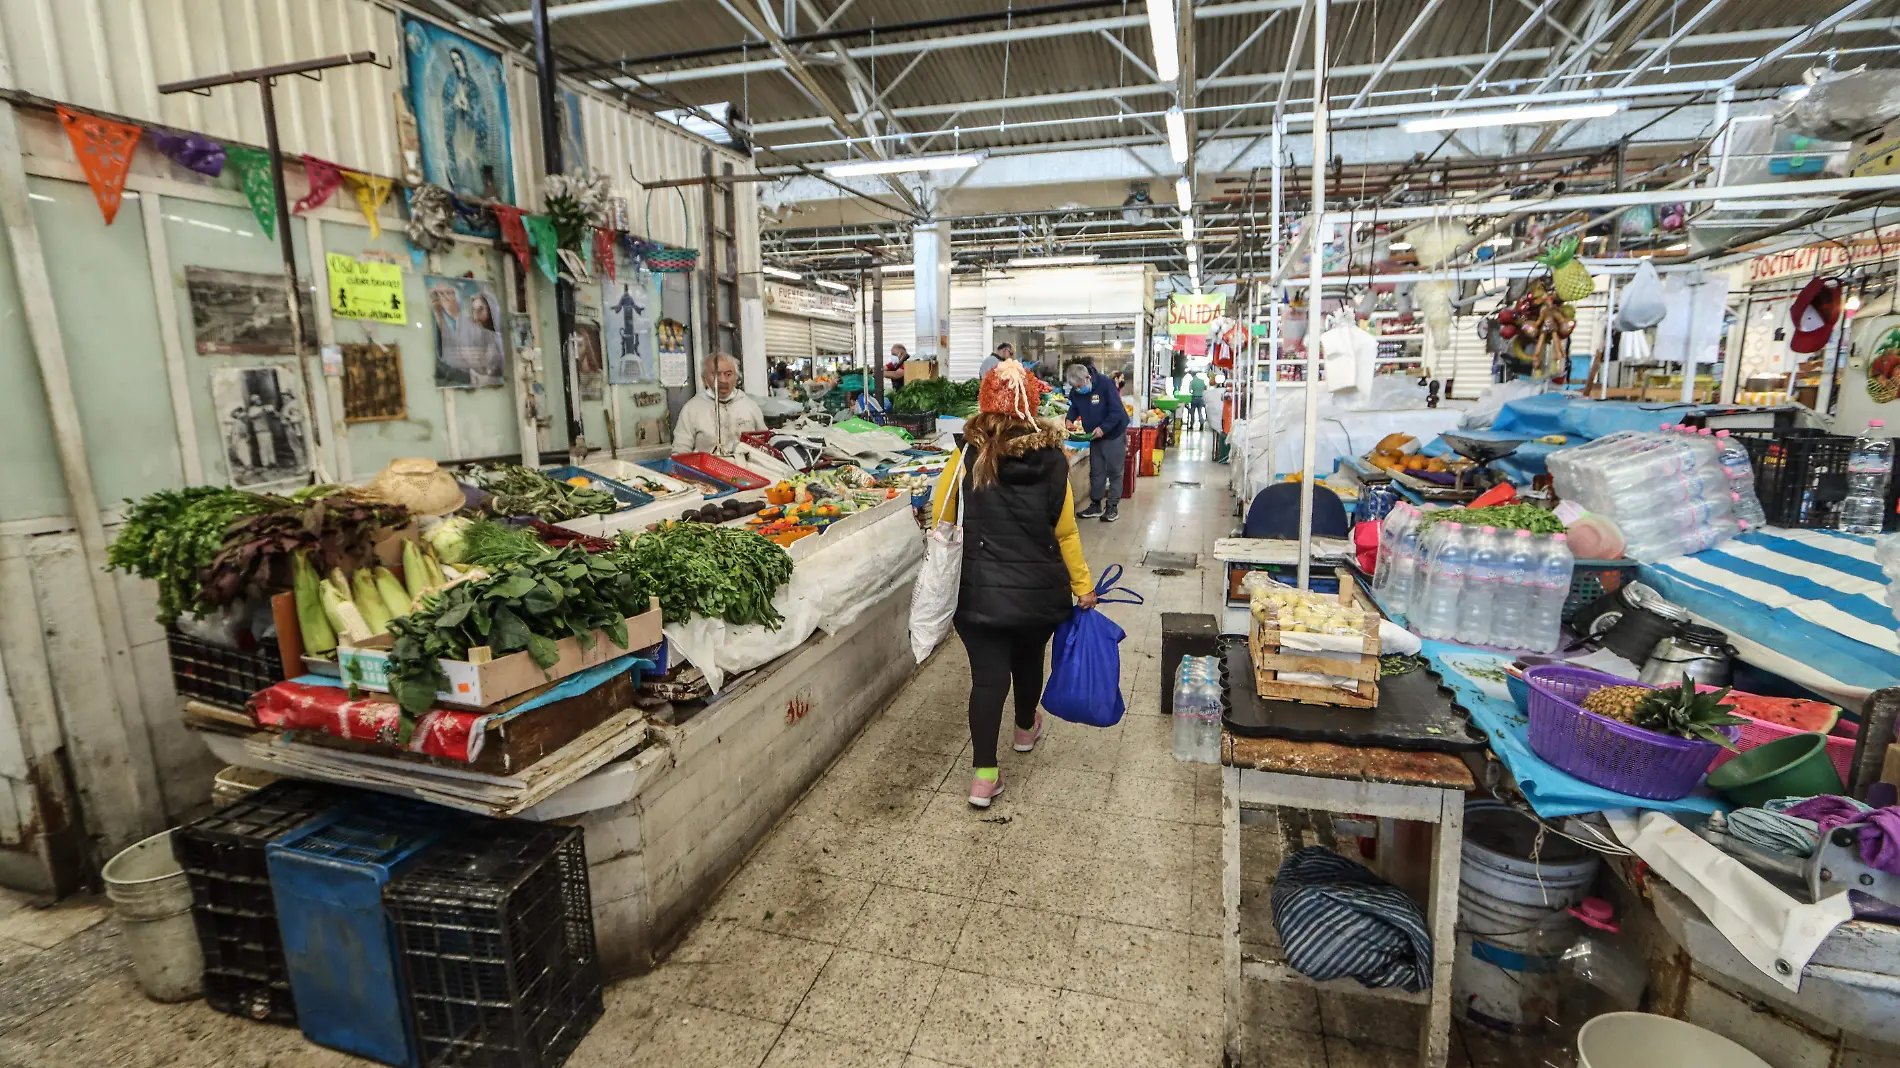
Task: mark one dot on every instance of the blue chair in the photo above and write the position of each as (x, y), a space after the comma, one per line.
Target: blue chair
(1275, 513)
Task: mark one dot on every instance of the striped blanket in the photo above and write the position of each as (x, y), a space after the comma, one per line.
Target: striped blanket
(1806, 604)
(1338, 920)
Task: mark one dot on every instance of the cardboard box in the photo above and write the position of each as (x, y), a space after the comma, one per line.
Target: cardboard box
(483, 679)
(918, 370)
(1875, 153)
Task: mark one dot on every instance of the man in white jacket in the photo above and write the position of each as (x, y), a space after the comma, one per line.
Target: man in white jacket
(713, 421)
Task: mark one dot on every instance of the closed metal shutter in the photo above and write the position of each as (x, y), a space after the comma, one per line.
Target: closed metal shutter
(1466, 361)
(829, 337)
(788, 337)
(969, 344)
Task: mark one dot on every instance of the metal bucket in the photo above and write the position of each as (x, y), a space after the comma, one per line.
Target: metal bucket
(152, 901)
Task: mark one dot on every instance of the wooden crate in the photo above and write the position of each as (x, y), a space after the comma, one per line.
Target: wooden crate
(1263, 642)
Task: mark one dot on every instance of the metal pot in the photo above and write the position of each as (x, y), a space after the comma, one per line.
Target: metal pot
(1702, 653)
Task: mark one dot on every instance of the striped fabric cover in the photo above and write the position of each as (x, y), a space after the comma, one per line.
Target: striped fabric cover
(1815, 596)
(1338, 920)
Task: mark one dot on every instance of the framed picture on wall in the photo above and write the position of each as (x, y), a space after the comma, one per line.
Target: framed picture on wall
(633, 305)
(261, 420)
(468, 348)
(372, 384)
(459, 92)
(589, 362)
(245, 313)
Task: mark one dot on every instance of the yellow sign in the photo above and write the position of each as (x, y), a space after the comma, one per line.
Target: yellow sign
(363, 290)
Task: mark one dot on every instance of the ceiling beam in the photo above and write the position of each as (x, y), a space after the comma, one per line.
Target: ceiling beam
(1398, 49)
(1809, 33)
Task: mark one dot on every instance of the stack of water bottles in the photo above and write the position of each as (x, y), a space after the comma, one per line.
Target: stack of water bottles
(1887, 553)
(1475, 585)
(1197, 710)
(1671, 492)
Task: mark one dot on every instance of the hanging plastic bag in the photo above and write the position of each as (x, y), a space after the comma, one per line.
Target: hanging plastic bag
(1642, 306)
(1085, 672)
(933, 600)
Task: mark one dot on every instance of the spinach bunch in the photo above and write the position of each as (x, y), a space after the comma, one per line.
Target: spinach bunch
(713, 571)
(529, 605)
(519, 490)
(170, 536)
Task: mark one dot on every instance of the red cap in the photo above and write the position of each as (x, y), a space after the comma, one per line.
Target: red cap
(1815, 311)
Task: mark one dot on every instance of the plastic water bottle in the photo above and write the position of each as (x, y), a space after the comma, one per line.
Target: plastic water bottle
(1437, 610)
(1481, 587)
(1869, 468)
(1741, 479)
(1197, 710)
(1207, 748)
(1517, 580)
(1407, 564)
(1391, 577)
(1554, 567)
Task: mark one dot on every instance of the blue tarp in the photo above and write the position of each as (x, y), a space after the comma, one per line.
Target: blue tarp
(572, 686)
(1552, 793)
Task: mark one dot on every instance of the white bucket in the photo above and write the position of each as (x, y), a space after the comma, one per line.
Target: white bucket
(1511, 926)
(152, 901)
(1644, 1040)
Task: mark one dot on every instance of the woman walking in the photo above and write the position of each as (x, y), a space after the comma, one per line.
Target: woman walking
(1023, 570)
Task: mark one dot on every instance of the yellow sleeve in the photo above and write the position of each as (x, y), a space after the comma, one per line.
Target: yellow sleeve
(1069, 538)
(940, 496)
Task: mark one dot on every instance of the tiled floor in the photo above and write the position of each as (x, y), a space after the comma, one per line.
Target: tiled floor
(884, 922)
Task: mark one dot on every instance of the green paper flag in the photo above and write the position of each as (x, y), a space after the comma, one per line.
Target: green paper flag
(253, 171)
(546, 245)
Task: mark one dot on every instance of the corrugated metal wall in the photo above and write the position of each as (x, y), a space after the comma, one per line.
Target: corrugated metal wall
(111, 55)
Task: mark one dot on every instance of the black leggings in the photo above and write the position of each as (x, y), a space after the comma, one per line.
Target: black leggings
(997, 656)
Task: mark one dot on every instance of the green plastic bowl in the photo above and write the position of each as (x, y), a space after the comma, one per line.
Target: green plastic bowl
(1795, 766)
(1166, 404)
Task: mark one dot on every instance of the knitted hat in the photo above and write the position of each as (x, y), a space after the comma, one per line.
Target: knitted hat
(1009, 389)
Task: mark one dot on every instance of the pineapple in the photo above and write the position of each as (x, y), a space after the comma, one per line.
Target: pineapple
(1682, 711)
(1567, 273)
(1617, 702)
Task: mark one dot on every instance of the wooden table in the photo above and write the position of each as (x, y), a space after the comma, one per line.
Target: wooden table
(1389, 783)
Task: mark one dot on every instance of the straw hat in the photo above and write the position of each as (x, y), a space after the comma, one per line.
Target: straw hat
(419, 485)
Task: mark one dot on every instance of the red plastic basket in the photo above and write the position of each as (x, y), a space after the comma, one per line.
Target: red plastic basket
(1602, 751)
(724, 470)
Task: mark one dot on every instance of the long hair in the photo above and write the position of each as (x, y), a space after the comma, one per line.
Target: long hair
(987, 433)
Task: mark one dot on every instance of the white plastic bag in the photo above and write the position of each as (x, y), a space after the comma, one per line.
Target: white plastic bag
(1642, 306)
(933, 601)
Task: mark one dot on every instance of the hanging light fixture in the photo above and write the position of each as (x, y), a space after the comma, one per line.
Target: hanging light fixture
(905, 164)
(1184, 194)
(829, 284)
(1187, 227)
(1166, 36)
(1511, 118)
(1177, 134)
(1053, 261)
(779, 272)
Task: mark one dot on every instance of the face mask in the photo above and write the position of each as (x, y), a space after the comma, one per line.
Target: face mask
(1084, 388)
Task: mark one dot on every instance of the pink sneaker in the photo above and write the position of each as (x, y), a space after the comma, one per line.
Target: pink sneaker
(1027, 739)
(982, 790)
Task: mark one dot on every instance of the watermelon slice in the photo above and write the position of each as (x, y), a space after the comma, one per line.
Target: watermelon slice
(1794, 713)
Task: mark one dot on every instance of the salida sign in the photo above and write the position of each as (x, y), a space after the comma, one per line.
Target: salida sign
(1193, 313)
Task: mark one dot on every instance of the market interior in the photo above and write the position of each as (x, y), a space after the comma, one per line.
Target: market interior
(740, 533)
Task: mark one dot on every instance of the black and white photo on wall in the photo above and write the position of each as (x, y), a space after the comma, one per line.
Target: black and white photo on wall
(261, 421)
(244, 313)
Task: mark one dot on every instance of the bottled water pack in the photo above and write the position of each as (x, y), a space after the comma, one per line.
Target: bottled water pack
(1869, 469)
(1197, 710)
(1671, 492)
(1476, 585)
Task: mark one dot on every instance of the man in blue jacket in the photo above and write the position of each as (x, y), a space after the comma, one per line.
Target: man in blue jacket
(1095, 406)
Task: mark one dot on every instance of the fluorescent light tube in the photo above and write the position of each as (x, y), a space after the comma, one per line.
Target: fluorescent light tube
(889, 268)
(1177, 134)
(1184, 194)
(1053, 261)
(1400, 246)
(1166, 36)
(776, 272)
(906, 164)
(1511, 118)
(1680, 246)
(1187, 227)
(1194, 252)
(828, 284)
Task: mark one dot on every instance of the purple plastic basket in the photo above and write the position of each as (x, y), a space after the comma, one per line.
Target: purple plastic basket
(1602, 751)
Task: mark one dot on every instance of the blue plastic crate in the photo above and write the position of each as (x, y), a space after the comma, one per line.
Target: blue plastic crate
(666, 465)
(327, 878)
(628, 497)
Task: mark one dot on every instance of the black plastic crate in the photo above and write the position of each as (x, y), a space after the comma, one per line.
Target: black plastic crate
(1801, 476)
(231, 903)
(920, 424)
(221, 676)
(496, 932)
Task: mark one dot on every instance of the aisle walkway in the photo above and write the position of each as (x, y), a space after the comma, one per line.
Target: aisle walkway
(884, 922)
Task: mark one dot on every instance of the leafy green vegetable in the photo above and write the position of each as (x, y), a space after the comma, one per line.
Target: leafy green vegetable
(717, 572)
(523, 606)
(486, 543)
(938, 395)
(170, 536)
(340, 531)
(1502, 516)
(522, 490)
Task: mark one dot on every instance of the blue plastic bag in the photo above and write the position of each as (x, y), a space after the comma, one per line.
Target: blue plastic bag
(1085, 673)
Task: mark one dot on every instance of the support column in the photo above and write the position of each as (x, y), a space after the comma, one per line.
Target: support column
(1315, 294)
(930, 249)
(552, 164)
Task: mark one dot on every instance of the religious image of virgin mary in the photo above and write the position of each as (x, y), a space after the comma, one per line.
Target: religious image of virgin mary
(465, 134)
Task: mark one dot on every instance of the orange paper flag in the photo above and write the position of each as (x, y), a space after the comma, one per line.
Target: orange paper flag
(105, 154)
